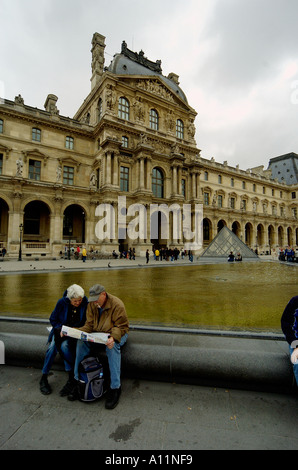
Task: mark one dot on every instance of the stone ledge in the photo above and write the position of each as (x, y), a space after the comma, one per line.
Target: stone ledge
(198, 359)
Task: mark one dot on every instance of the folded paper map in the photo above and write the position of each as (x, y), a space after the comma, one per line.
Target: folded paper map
(92, 337)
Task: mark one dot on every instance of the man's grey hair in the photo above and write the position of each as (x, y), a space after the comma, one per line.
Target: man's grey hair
(75, 291)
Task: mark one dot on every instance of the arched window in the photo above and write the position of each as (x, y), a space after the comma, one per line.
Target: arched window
(123, 108)
(179, 129)
(157, 182)
(153, 119)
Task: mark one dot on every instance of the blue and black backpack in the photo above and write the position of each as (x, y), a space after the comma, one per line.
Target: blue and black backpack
(91, 379)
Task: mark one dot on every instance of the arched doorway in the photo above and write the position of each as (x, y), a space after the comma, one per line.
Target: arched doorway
(236, 229)
(249, 235)
(3, 223)
(271, 236)
(74, 224)
(280, 234)
(207, 231)
(36, 222)
(220, 225)
(260, 235)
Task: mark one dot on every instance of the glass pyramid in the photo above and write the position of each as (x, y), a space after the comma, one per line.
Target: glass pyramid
(225, 242)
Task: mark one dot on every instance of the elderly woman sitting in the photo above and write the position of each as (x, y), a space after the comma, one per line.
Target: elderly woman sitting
(70, 310)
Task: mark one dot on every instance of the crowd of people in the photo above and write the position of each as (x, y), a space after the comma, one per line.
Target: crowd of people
(288, 254)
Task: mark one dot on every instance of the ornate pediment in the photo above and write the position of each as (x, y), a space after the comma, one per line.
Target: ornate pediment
(35, 154)
(69, 161)
(156, 88)
(4, 149)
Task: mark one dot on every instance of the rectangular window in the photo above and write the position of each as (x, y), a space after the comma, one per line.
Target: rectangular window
(293, 195)
(69, 142)
(1, 126)
(219, 200)
(124, 178)
(206, 199)
(183, 187)
(179, 129)
(1, 163)
(219, 179)
(34, 170)
(68, 175)
(232, 203)
(124, 141)
(36, 134)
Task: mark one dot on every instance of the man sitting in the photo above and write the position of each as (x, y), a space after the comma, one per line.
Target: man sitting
(105, 313)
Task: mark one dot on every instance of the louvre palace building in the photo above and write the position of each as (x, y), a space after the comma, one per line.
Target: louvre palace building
(132, 140)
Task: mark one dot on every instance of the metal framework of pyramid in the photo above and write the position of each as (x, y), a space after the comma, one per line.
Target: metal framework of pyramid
(225, 242)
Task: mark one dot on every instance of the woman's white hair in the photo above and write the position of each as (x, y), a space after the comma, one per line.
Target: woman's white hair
(75, 291)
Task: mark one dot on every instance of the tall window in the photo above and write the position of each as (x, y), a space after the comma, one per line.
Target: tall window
(153, 119)
(69, 141)
(206, 199)
(1, 126)
(1, 163)
(183, 187)
(68, 175)
(179, 129)
(157, 182)
(123, 108)
(124, 141)
(36, 134)
(124, 178)
(34, 170)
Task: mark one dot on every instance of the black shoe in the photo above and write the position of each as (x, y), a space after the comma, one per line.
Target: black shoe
(74, 394)
(113, 398)
(68, 388)
(44, 385)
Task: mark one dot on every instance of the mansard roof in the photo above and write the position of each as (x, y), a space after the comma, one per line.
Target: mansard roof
(285, 168)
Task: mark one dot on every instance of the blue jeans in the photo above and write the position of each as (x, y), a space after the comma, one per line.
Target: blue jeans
(114, 359)
(295, 366)
(68, 350)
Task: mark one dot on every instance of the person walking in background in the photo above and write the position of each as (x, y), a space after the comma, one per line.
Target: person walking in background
(84, 254)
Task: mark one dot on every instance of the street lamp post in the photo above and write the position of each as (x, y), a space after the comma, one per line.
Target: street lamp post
(20, 249)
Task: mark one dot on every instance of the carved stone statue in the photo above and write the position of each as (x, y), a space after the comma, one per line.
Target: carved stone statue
(20, 165)
(58, 174)
(93, 180)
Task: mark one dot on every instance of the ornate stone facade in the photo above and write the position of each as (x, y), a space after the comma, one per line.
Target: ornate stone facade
(133, 136)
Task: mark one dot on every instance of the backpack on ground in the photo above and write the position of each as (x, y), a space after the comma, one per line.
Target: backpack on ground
(91, 379)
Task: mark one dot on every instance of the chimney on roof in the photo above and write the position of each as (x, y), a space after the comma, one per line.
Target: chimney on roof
(98, 47)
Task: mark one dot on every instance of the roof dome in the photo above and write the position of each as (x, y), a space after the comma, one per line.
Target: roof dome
(133, 63)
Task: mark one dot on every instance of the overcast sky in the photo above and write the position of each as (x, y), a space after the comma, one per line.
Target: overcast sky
(237, 61)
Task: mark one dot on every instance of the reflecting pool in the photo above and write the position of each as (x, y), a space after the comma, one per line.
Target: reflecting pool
(249, 296)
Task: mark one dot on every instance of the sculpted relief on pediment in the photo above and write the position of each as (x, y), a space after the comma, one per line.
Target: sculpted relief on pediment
(155, 87)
